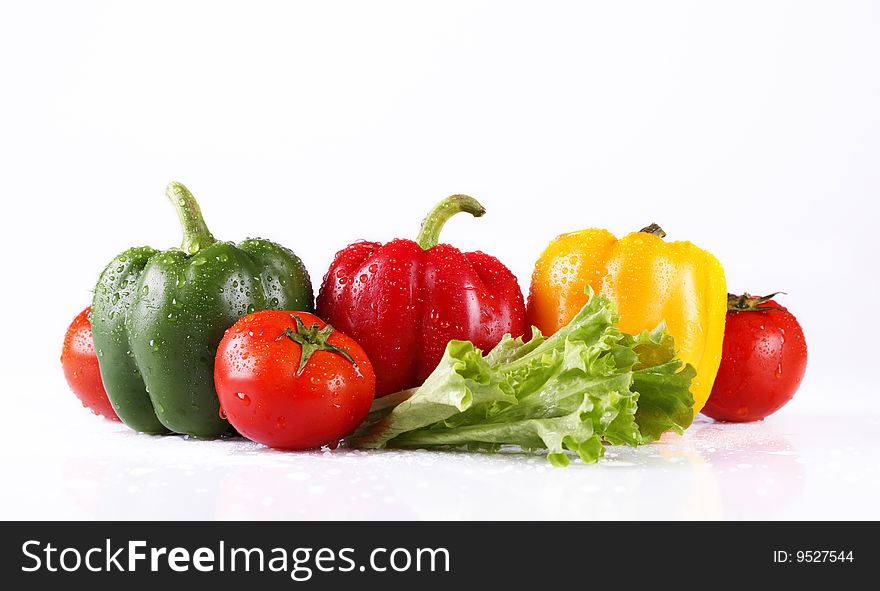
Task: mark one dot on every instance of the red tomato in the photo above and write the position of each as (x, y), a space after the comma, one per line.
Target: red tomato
(289, 381)
(80, 365)
(763, 360)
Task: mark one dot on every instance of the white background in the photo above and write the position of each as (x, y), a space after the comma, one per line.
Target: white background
(749, 128)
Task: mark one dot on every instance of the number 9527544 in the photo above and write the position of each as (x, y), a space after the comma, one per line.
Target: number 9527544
(824, 556)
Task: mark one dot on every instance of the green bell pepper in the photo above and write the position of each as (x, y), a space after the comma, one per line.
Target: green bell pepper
(158, 317)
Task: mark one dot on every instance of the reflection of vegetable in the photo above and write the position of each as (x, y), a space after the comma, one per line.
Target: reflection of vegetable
(290, 381)
(80, 366)
(763, 363)
(587, 384)
(404, 300)
(157, 318)
(650, 280)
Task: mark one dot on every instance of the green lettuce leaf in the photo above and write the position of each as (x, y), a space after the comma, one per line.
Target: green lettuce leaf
(665, 401)
(587, 385)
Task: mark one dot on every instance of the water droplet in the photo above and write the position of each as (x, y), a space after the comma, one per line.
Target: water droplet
(245, 399)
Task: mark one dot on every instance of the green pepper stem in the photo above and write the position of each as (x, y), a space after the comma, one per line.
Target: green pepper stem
(196, 235)
(429, 234)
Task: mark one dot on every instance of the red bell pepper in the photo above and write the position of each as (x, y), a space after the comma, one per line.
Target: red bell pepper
(405, 300)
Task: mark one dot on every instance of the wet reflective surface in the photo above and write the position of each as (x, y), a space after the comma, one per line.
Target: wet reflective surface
(793, 466)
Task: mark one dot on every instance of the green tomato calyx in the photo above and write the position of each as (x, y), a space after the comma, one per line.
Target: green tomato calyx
(312, 339)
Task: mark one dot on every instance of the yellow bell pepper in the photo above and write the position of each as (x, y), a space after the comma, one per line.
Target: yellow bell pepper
(650, 280)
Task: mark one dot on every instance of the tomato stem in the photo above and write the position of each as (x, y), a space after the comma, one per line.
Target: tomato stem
(312, 339)
(749, 303)
(429, 234)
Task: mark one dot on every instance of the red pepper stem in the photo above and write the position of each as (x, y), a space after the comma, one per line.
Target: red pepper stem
(429, 235)
(196, 235)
